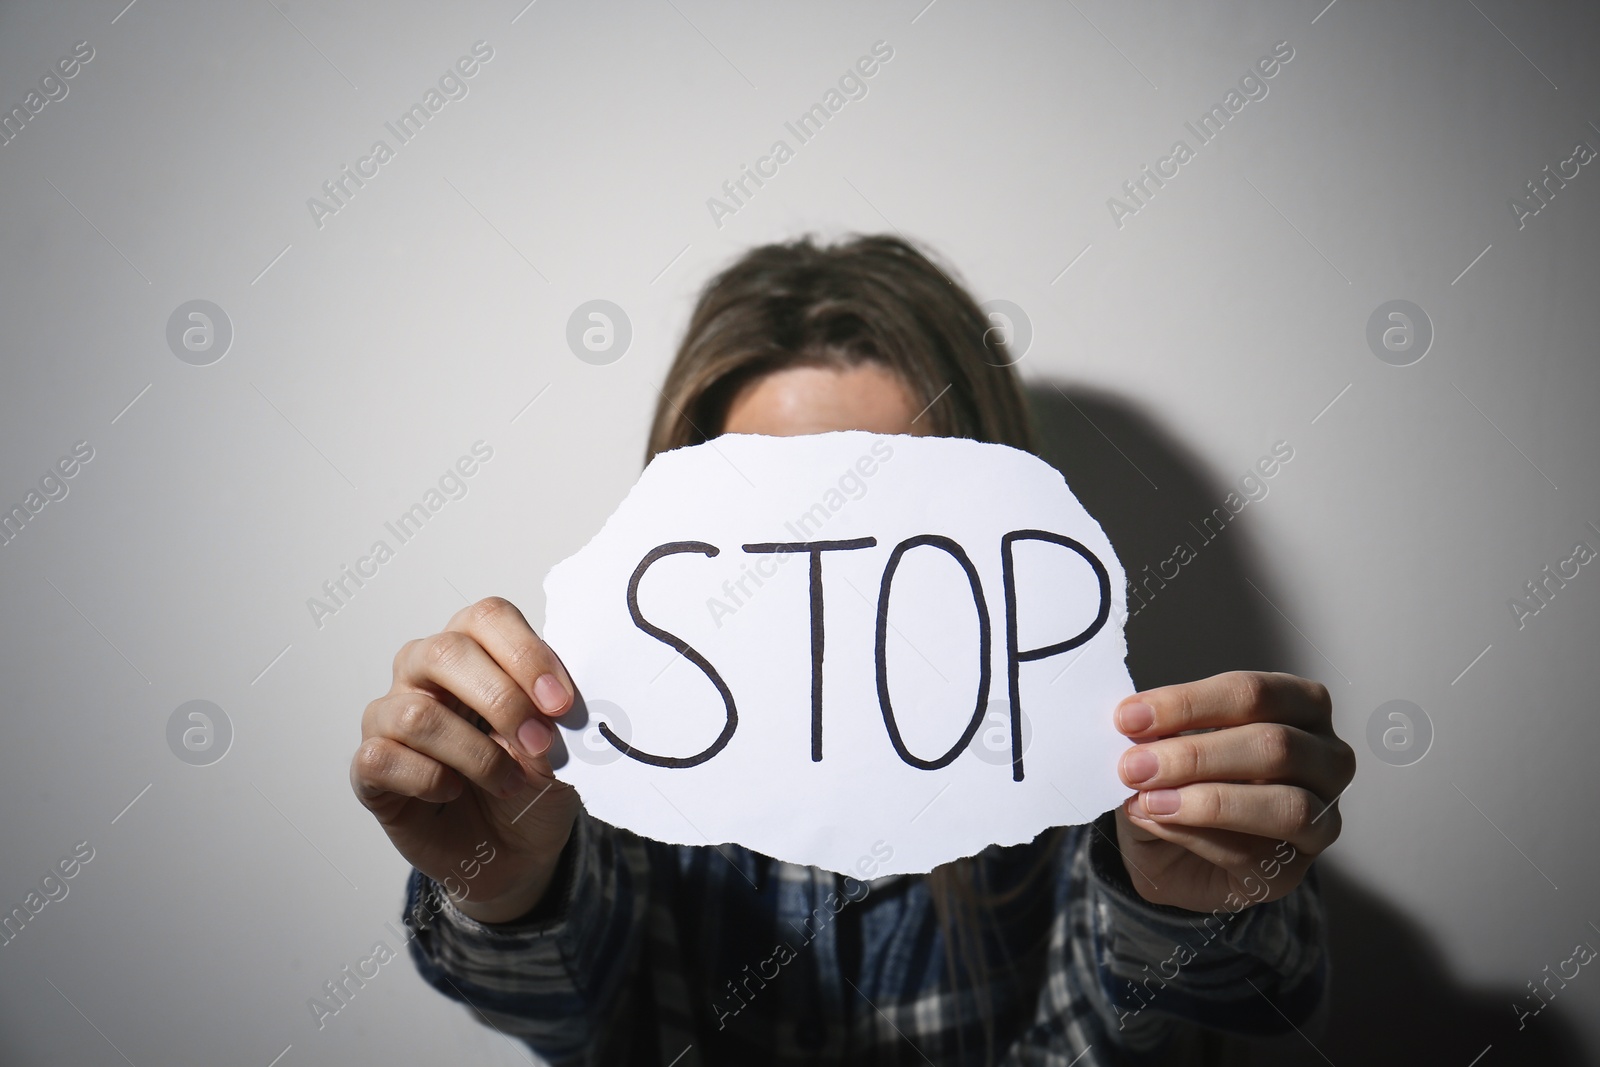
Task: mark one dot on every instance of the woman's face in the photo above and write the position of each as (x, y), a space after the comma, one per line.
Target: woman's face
(805, 400)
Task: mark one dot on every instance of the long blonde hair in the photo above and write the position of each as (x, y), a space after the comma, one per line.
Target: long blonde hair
(877, 299)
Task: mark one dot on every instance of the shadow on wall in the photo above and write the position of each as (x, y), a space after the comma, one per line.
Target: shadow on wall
(1392, 1001)
(1149, 495)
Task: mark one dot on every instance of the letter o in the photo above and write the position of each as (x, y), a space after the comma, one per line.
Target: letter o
(959, 554)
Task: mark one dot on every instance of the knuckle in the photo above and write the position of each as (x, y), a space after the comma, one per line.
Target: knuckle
(1212, 805)
(1297, 809)
(1184, 758)
(522, 655)
(373, 761)
(435, 779)
(446, 647)
(1276, 746)
(371, 715)
(1345, 759)
(1249, 688)
(502, 703)
(417, 718)
(484, 760)
(403, 656)
(490, 608)
(1185, 711)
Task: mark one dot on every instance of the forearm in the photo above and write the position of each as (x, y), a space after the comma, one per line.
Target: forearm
(1244, 967)
(554, 975)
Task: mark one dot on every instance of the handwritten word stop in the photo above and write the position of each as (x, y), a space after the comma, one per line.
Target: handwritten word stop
(809, 645)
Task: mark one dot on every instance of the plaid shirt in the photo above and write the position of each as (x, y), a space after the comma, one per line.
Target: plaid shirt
(649, 953)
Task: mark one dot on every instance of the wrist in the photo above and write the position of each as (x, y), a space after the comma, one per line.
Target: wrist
(540, 898)
(1111, 867)
(513, 904)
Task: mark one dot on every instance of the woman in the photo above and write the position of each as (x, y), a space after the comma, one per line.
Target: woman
(1116, 941)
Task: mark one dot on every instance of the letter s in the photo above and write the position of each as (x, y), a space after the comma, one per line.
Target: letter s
(689, 653)
(483, 450)
(884, 852)
(883, 50)
(1278, 50)
(883, 450)
(84, 451)
(1283, 450)
(483, 50)
(83, 50)
(77, 850)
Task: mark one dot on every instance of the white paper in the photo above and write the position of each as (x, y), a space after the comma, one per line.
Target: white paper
(862, 809)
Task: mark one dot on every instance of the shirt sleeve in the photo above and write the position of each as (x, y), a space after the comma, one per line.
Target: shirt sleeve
(552, 977)
(1246, 968)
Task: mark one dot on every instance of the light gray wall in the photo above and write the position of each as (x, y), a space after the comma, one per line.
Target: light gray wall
(371, 351)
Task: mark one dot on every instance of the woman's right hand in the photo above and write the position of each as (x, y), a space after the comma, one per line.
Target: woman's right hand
(440, 786)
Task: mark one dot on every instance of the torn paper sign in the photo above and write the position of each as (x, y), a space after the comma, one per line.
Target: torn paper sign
(842, 645)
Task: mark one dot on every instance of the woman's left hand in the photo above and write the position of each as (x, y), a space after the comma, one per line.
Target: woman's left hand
(1236, 813)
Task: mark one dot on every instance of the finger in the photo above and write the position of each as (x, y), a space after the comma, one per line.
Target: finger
(425, 725)
(497, 625)
(1254, 752)
(452, 664)
(1231, 699)
(1250, 862)
(1281, 812)
(384, 766)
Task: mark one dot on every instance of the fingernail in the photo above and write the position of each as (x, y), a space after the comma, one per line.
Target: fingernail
(1139, 765)
(1162, 801)
(1135, 718)
(549, 694)
(513, 783)
(534, 737)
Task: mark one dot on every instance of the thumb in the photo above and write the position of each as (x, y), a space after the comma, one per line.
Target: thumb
(540, 776)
